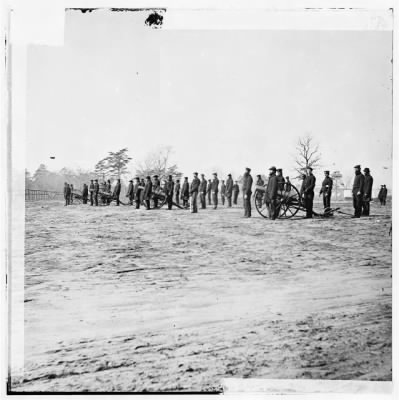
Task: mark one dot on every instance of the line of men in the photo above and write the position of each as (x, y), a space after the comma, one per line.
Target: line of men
(140, 192)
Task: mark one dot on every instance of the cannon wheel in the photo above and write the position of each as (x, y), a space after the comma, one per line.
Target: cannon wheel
(290, 203)
(161, 196)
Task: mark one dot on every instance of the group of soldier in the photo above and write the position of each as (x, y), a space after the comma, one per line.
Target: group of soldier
(142, 191)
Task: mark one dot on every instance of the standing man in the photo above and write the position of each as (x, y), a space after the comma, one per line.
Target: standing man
(259, 195)
(215, 190)
(137, 189)
(358, 191)
(96, 190)
(130, 193)
(368, 190)
(247, 192)
(194, 192)
(71, 200)
(381, 195)
(185, 192)
(209, 192)
(202, 191)
(91, 190)
(271, 193)
(177, 191)
(229, 189)
(156, 186)
(236, 191)
(142, 185)
(280, 180)
(384, 195)
(117, 191)
(326, 189)
(85, 193)
(67, 194)
(147, 192)
(302, 190)
(223, 192)
(310, 183)
(169, 188)
(108, 189)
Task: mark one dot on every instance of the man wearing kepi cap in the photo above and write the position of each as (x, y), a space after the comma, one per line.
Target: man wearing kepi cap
(195, 183)
(326, 189)
(368, 187)
(247, 192)
(308, 191)
(215, 190)
(202, 191)
(358, 191)
(271, 193)
(229, 189)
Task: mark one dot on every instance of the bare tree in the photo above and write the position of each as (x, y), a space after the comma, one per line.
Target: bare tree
(308, 154)
(158, 163)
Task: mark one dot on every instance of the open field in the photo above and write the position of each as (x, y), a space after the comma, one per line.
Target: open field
(118, 299)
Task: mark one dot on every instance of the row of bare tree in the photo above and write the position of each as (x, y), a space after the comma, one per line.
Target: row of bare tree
(115, 165)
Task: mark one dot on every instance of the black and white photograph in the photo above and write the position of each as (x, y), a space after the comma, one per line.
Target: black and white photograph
(204, 202)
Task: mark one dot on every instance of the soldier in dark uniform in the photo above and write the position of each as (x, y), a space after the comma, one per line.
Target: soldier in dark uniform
(259, 195)
(384, 195)
(96, 190)
(67, 194)
(156, 186)
(85, 193)
(177, 191)
(147, 193)
(202, 191)
(236, 192)
(209, 192)
(108, 189)
(326, 189)
(358, 191)
(215, 190)
(195, 183)
(229, 189)
(288, 185)
(91, 190)
(185, 192)
(381, 195)
(137, 189)
(71, 198)
(117, 191)
(223, 192)
(129, 192)
(247, 192)
(310, 183)
(169, 188)
(368, 190)
(142, 184)
(280, 180)
(271, 194)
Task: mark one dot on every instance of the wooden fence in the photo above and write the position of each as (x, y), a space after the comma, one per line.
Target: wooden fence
(33, 195)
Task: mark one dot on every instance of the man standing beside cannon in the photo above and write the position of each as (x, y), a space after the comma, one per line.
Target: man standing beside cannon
(358, 191)
(271, 193)
(280, 180)
(169, 188)
(96, 190)
(259, 197)
(215, 190)
(202, 191)
(195, 183)
(310, 183)
(368, 188)
(229, 189)
(177, 191)
(185, 192)
(326, 189)
(236, 192)
(247, 192)
(147, 193)
(117, 192)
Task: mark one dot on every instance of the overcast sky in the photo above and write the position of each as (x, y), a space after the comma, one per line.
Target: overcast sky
(223, 100)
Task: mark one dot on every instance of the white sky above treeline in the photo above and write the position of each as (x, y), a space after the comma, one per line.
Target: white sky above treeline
(223, 100)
